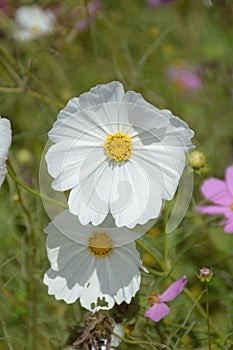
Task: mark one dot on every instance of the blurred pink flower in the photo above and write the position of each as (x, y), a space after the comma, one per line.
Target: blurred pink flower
(5, 7)
(185, 78)
(155, 3)
(220, 193)
(158, 308)
(93, 8)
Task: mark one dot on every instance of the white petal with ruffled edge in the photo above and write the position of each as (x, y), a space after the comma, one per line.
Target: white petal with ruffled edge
(5, 142)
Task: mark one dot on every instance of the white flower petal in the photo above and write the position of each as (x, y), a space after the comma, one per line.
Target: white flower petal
(79, 125)
(93, 299)
(65, 160)
(90, 200)
(130, 193)
(112, 92)
(70, 250)
(128, 292)
(58, 285)
(69, 226)
(5, 142)
(166, 167)
(120, 269)
(3, 172)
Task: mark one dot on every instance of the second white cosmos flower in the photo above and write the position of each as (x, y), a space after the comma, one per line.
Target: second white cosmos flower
(117, 154)
(91, 263)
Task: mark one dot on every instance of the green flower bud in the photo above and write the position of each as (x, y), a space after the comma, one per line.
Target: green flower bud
(197, 159)
(205, 274)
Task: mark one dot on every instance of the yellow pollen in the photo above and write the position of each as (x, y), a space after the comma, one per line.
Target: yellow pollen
(99, 244)
(232, 206)
(35, 30)
(118, 146)
(153, 298)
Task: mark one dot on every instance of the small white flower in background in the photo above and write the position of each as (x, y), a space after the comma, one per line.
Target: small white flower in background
(33, 22)
(5, 142)
(91, 264)
(117, 154)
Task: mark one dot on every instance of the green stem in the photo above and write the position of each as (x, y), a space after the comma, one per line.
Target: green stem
(12, 174)
(208, 315)
(165, 248)
(145, 247)
(34, 94)
(140, 342)
(201, 311)
(30, 268)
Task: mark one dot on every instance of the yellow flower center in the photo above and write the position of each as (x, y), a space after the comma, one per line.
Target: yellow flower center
(99, 244)
(118, 146)
(232, 206)
(35, 29)
(153, 298)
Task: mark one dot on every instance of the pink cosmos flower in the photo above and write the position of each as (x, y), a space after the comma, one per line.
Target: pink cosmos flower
(185, 78)
(158, 308)
(220, 193)
(93, 8)
(5, 7)
(155, 3)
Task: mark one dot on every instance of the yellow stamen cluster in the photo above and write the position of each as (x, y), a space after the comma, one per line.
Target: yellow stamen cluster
(118, 146)
(153, 298)
(100, 244)
(35, 30)
(232, 206)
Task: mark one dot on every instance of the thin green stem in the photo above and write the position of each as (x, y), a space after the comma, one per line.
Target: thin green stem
(34, 94)
(186, 320)
(140, 342)
(165, 249)
(12, 174)
(201, 311)
(30, 268)
(148, 249)
(15, 77)
(208, 315)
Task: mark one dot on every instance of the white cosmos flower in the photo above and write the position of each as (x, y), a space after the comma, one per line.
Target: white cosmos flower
(33, 22)
(91, 264)
(5, 142)
(117, 153)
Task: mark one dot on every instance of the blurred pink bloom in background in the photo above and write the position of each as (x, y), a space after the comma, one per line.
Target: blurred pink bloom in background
(185, 78)
(5, 7)
(158, 308)
(155, 3)
(93, 8)
(220, 193)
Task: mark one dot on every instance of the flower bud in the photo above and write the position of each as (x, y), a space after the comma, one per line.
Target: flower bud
(24, 156)
(197, 159)
(205, 274)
